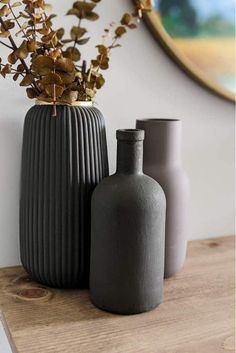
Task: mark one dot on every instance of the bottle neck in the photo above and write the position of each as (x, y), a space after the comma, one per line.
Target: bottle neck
(129, 157)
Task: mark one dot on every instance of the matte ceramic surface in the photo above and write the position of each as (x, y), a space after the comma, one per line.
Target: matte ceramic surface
(63, 159)
(162, 161)
(127, 240)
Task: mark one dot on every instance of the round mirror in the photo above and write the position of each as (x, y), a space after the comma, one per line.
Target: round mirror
(200, 36)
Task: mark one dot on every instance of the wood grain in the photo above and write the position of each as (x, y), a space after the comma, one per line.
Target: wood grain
(197, 315)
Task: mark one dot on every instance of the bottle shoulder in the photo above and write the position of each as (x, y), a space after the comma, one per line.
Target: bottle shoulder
(129, 179)
(129, 187)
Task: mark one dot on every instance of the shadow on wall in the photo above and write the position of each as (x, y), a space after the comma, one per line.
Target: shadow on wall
(10, 161)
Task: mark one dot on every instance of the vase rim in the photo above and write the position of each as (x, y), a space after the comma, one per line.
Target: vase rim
(159, 120)
(74, 104)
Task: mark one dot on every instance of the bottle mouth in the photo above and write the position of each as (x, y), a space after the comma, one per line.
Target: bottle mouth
(130, 135)
(158, 120)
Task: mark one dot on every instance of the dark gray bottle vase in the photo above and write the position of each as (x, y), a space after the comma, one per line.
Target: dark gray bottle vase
(163, 162)
(63, 159)
(127, 238)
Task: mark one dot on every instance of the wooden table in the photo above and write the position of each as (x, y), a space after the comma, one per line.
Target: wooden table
(197, 315)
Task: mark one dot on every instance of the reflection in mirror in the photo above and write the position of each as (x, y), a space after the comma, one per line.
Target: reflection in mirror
(200, 34)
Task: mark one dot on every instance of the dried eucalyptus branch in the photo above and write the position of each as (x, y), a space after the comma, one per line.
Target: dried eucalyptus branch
(49, 63)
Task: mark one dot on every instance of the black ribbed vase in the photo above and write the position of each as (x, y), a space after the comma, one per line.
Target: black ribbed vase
(63, 159)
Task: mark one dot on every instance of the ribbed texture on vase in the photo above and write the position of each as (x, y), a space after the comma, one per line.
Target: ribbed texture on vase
(63, 159)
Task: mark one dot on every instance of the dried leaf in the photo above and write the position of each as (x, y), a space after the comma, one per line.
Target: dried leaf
(84, 6)
(95, 63)
(27, 80)
(72, 53)
(5, 34)
(120, 31)
(67, 78)
(100, 82)
(102, 49)
(22, 52)
(51, 37)
(66, 41)
(4, 11)
(32, 45)
(82, 41)
(52, 78)
(69, 96)
(15, 77)
(9, 24)
(60, 33)
(74, 12)
(12, 58)
(92, 16)
(43, 65)
(20, 68)
(6, 70)
(126, 19)
(31, 93)
(77, 32)
(65, 65)
(45, 31)
(90, 92)
(103, 62)
(16, 4)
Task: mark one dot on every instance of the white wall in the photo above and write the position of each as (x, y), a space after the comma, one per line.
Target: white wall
(142, 83)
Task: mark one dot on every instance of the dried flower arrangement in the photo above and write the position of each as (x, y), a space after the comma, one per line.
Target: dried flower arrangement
(50, 65)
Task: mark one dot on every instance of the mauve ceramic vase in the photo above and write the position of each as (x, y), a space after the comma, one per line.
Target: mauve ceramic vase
(128, 230)
(162, 161)
(63, 159)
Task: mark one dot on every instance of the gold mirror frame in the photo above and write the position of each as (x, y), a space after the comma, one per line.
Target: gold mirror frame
(154, 23)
